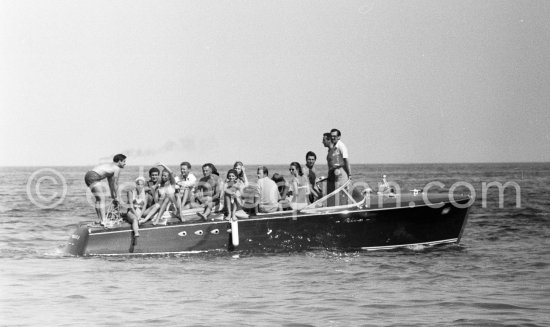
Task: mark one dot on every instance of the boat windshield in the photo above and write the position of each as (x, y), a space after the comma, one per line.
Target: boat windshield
(340, 197)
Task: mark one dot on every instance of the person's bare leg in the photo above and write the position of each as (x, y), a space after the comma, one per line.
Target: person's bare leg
(179, 206)
(184, 198)
(233, 210)
(99, 202)
(208, 209)
(162, 209)
(227, 205)
(134, 221)
(150, 212)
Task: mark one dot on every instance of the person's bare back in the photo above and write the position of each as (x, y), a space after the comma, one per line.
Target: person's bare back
(107, 170)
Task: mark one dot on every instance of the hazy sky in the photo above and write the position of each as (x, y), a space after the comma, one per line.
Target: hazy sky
(260, 81)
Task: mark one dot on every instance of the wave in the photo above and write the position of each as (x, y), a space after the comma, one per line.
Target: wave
(5, 209)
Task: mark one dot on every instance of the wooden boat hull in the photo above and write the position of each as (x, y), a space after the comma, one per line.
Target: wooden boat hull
(383, 223)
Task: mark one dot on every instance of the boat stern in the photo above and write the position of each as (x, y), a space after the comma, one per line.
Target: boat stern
(78, 241)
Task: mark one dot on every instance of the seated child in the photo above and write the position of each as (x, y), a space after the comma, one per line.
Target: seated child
(232, 191)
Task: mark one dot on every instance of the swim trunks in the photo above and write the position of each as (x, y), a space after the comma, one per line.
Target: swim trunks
(91, 178)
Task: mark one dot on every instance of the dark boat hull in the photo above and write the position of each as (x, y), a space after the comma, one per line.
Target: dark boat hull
(388, 224)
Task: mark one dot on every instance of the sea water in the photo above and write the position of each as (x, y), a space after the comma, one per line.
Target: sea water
(499, 275)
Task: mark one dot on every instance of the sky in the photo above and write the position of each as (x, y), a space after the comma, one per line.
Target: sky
(261, 81)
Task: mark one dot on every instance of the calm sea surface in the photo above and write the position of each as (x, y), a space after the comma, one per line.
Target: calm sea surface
(498, 276)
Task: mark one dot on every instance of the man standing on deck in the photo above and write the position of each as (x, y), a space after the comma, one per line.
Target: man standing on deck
(341, 168)
(341, 147)
(327, 143)
(111, 171)
(315, 191)
(337, 175)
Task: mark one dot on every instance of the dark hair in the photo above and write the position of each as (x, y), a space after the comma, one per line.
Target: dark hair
(311, 154)
(185, 163)
(264, 169)
(232, 171)
(237, 163)
(152, 170)
(298, 167)
(277, 178)
(170, 177)
(326, 136)
(212, 167)
(119, 157)
(280, 181)
(337, 131)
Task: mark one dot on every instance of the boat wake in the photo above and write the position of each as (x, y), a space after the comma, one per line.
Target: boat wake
(417, 247)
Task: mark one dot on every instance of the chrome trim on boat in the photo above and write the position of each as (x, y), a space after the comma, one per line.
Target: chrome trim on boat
(146, 253)
(389, 247)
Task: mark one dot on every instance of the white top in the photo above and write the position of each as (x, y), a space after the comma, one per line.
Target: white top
(300, 189)
(189, 182)
(343, 149)
(269, 194)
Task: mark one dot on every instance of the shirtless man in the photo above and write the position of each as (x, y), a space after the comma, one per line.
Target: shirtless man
(152, 185)
(208, 191)
(111, 171)
(315, 192)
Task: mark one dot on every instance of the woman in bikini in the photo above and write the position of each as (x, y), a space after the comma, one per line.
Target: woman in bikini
(166, 192)
(138, 203)
(164, 195)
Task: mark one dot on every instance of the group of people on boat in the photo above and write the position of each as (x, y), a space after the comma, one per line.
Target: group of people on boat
(234, 195)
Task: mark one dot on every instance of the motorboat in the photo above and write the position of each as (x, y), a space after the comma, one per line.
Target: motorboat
(371, 221)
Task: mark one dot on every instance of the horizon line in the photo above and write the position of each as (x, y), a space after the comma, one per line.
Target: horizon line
(282, 164)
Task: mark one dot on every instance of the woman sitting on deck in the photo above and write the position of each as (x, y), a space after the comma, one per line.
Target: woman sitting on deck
(232, 191)
(164, 196)
(167, 192)
(299, 186)
(241, 174)
(137, 204)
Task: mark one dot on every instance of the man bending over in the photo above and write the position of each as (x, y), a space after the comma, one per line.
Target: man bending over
(111, 171)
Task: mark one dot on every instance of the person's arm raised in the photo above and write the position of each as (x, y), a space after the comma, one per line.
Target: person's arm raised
(164, 166)
(172, 179)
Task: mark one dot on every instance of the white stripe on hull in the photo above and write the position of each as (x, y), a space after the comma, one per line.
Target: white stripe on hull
(146, 253)
(389, 247)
